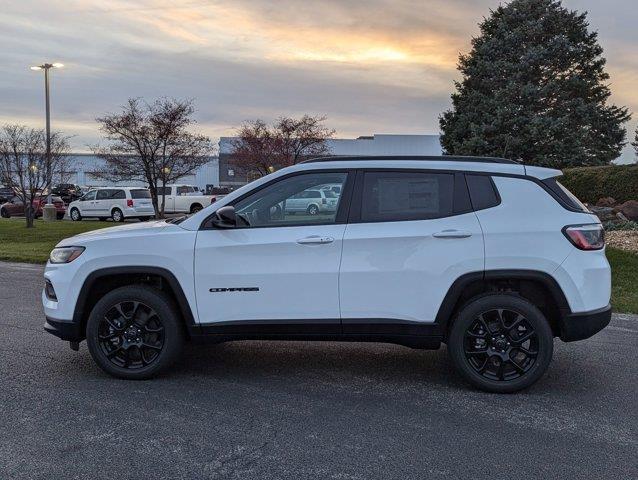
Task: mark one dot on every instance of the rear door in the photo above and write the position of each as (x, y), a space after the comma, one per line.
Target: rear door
(411, 234)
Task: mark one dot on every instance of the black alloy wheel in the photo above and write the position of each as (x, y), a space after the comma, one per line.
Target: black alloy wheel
(135, 332)
(131, 335)
(500, 343)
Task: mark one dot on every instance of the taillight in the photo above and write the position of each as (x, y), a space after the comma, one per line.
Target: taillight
(586, 237)
(129, 203)
(213, 199)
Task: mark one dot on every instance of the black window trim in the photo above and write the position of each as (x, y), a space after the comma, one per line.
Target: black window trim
(341, 217)
(460, 192)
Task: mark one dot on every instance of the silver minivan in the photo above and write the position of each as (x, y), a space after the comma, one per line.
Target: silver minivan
(117, 203)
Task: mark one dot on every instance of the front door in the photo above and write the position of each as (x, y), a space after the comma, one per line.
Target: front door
(276, 267)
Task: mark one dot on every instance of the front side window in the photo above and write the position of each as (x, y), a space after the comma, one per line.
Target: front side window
(291, 201)
(89, 196)
(396, 196)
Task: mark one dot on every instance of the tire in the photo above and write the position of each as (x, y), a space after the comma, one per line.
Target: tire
(500, 343)
(4, 213)
(312, 209)
(102, 219)
(196, 207)
(117, 215)
(135, 351)
(59, 216)
(75, 215)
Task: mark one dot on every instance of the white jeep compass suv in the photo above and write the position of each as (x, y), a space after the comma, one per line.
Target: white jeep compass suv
(491, 257)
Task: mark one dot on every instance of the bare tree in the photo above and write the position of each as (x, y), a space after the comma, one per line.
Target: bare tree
(260, 148)
(24, 165)
(150, 142)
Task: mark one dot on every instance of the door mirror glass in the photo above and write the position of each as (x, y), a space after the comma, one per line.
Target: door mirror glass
(225, 217)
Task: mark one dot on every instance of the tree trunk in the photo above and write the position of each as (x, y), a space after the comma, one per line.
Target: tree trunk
(163, 199)
(28, 215)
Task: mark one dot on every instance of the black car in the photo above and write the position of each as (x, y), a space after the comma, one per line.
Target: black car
(67, 191)
(6, 194)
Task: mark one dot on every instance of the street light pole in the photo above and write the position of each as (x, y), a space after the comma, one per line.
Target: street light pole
(46, 67)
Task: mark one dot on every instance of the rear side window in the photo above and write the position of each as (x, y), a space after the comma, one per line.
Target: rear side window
(483, 193)
(564, 196)
(141, 193)
(118, 194)
(396, 196)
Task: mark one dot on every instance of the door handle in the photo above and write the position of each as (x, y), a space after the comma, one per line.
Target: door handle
(315, 239)
(452, 234)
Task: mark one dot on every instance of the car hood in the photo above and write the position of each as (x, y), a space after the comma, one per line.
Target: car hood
(128, 230)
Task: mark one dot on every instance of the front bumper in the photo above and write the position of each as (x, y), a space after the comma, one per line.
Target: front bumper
(65, 329)
(579, 326)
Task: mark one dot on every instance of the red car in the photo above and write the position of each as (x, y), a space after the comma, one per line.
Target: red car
(15, 207)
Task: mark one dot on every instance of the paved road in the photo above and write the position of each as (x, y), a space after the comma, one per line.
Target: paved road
(306, 410)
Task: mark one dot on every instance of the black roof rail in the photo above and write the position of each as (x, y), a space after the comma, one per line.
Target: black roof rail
(440, 158)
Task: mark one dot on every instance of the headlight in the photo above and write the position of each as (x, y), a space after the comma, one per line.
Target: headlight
(65, 254)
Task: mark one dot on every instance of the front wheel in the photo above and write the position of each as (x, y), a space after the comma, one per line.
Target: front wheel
(4, 213)
(313, 209)
(500, 343)
(75, 215)
(134, 332)
(196, 207)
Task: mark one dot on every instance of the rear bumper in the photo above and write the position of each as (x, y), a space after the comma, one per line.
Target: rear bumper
(582, 325)
(64, 329)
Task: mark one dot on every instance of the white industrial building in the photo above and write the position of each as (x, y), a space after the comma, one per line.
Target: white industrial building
(220, 170)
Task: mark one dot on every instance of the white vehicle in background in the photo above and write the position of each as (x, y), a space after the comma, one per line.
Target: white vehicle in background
(183, 199)
(117, 203)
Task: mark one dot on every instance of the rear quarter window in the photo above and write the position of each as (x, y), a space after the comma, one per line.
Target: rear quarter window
(483, 192)
(141, 193)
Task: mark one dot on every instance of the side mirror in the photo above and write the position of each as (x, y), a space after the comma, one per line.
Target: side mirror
(225, 217)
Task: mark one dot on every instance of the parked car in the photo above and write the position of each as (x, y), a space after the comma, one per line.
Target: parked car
(117, 203)
(491, 257)
(68, 192)
(183, 199)
(312, 202)
(15, 207)
(6, 194)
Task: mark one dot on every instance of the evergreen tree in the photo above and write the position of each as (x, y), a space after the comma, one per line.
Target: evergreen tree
(534, 88)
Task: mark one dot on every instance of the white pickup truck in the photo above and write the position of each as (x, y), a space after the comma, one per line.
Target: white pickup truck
(183, 199)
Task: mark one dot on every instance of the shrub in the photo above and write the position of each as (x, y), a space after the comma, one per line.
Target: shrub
(629, 225)
(592, 183)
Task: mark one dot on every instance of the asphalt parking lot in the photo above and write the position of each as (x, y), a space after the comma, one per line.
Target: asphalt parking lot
(306, 410)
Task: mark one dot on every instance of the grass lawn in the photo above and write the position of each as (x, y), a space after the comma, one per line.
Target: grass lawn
(33, 245)
(624, 273)
(19, 244)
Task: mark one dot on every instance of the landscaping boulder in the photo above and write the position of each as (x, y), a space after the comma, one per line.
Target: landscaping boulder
(605, 214)
(629, 209)
(606, 202)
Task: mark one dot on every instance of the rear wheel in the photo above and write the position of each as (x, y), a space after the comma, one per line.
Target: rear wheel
(196, 207)
(117, 215)
(134, 332)
(4, 213)
(500, 343)
(75, 215)
(59, 216)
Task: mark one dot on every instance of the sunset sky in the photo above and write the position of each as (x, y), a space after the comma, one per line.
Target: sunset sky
(375, 66)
